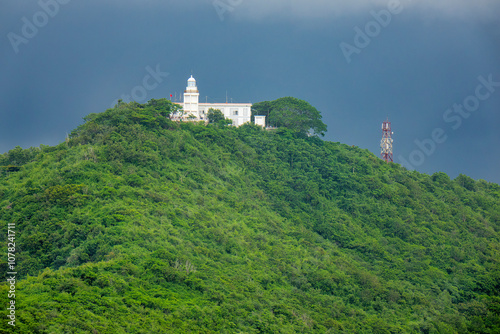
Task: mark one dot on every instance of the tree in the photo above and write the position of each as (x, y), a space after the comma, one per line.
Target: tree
(162, 107)
(292, 113)
(18, 157)
(466, 182)
(215, 115)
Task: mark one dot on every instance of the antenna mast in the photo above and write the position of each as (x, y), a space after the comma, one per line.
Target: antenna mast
(386, 142)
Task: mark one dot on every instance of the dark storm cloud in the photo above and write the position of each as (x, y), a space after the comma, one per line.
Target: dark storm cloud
(413, 69)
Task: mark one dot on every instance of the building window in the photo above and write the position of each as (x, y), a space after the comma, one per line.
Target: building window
(235, 112)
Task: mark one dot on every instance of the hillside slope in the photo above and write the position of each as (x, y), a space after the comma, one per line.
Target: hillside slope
(140, 225)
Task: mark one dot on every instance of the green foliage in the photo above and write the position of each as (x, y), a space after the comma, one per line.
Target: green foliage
(162, 107)
(66, 194)
(139, 225)
(215, 116)
(18, 156)
(292, 113)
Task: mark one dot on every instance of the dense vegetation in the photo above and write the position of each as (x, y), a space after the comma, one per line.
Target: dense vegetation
(291, 113)
(215, 116)
(137, 224)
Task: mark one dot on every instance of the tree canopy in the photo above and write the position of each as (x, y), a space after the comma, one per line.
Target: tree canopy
(215, 116)
(292, 113)
(162, 107)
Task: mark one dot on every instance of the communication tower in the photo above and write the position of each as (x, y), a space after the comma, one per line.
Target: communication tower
(386, 142)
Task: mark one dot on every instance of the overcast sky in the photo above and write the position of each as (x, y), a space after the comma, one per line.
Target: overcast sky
(432, 67)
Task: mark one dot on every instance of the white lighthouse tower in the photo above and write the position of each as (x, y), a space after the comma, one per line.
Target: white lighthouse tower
(191, 99)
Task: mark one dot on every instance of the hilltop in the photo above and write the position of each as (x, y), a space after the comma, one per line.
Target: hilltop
(137, 224)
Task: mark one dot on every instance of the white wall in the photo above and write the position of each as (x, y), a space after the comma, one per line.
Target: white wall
(239, 113)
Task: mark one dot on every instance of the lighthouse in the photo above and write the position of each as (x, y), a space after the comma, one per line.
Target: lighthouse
(191, 99)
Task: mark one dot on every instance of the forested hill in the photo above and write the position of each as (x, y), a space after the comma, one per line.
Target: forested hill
(137, 224)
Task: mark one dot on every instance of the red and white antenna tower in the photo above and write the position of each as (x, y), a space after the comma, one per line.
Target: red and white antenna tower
(386, 142)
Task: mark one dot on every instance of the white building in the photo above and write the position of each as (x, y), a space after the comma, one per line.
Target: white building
(192, 109)
(260, 120)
